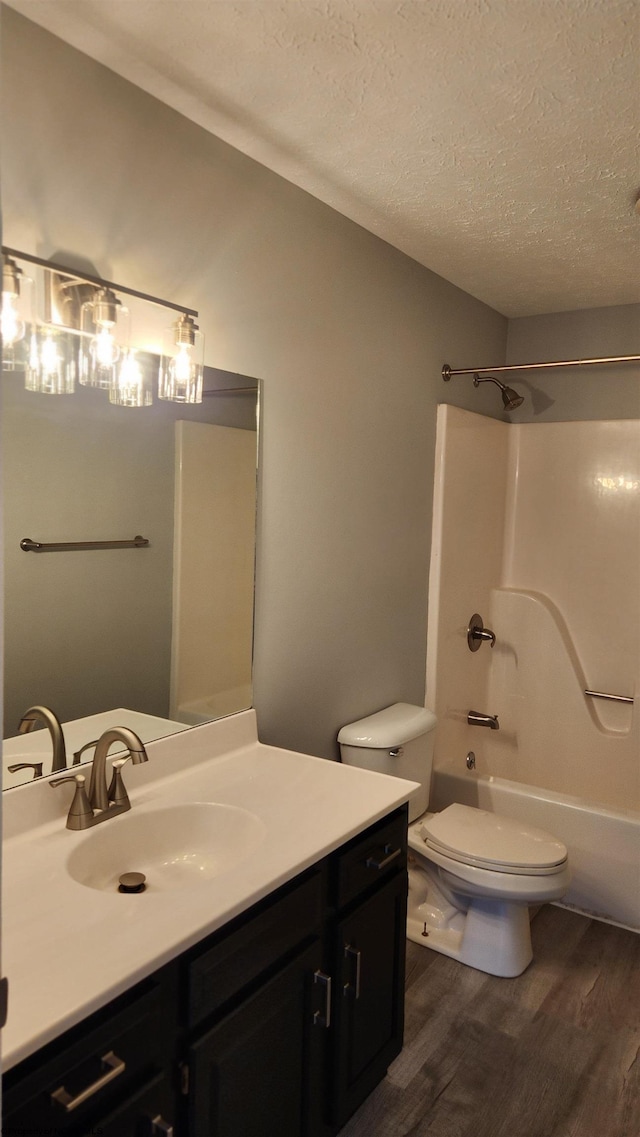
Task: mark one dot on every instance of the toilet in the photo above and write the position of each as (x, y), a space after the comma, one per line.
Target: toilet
(473, 875)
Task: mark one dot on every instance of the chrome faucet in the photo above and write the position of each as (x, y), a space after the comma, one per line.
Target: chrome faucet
(51, 721)
(102, 803)
(476, 718)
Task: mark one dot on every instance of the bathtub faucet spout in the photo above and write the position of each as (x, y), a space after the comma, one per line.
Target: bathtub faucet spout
(476, 718)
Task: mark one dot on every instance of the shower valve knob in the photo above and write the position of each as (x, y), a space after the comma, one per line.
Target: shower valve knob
(477, 633)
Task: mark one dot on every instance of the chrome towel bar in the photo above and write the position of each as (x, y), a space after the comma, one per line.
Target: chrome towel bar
(29, 546)
(612, 698)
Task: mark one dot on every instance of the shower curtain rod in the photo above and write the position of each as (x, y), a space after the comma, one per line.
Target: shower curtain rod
(447, 371)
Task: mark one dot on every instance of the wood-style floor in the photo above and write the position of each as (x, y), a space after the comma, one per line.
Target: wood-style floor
(553, 1053)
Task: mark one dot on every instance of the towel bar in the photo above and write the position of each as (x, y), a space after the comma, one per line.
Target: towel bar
(29, 546)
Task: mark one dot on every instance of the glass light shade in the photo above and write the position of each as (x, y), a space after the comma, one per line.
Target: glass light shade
(106, 335)
(132, 387)
(182, 363)
(16, 317)
(51, 363)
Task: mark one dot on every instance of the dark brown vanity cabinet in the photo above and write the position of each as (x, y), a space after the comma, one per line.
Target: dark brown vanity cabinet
(254, 1043)
(278, 1025)
(110, 1075)
(368, 962)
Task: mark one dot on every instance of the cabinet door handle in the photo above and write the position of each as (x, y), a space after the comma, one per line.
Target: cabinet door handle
(353, 953)
(115, 1067)
(390, 855)
(320, 1019)
(160, 1127)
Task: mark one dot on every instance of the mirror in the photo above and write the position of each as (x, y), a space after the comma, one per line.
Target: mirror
(163, 631)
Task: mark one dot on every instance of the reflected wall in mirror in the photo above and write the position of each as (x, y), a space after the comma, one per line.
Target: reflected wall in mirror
(165, 630)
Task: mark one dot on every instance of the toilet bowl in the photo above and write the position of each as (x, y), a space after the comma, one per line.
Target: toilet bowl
(472, 874)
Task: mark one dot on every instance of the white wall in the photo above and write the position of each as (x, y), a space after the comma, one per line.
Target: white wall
(348, 334)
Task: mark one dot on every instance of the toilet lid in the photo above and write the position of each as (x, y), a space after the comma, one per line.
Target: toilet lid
(474, 835)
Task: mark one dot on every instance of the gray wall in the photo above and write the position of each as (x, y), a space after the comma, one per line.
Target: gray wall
(577, 393)
(348, 334)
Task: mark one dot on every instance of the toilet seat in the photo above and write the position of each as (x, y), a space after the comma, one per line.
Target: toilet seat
(491, 880)
(474, 837)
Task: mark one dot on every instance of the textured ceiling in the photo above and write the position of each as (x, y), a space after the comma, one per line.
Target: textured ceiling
(495, 141)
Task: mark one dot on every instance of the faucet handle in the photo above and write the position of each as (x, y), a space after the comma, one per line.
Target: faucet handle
(117, 793)
(77, 754)
(476, 633)
(35, 766)
(80, 814)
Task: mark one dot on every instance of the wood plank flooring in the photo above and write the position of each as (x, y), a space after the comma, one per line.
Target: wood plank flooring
(553, 1053)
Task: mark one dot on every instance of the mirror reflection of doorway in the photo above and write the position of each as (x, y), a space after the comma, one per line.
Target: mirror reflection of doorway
(214, 522)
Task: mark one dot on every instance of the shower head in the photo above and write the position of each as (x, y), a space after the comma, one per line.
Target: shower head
(510, 398)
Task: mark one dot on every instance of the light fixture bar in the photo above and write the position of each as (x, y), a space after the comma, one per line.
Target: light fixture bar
(64, 270)
(447, 371)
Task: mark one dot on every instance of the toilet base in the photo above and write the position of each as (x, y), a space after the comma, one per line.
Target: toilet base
(490, 935)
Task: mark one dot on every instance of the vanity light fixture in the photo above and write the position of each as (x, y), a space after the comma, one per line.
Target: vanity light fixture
(82, 331)
(16, 314)
(51, 364)
(105, 317)
(182, 362)
(132, 387)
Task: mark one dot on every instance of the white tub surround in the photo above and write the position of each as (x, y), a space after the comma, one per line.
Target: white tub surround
(537, 528)
(69, 949)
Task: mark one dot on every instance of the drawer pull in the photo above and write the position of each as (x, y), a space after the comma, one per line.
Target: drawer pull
(353, 953)
(115, 1067)
(320, 1019)
(391, 854)
(160, 1127)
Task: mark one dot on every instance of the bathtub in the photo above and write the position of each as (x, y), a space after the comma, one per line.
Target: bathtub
(603, 844)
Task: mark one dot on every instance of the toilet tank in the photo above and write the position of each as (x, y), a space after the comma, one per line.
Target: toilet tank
(398, 741)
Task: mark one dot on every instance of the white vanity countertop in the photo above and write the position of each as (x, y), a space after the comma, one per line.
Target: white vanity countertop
(68, 949)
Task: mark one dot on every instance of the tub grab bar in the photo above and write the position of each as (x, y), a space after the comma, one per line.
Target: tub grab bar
(612, 698)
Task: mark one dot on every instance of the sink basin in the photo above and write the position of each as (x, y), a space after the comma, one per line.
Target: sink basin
(178, 846)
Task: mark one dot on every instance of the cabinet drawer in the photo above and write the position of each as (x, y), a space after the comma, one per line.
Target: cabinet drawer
(148, 1112)
(85, 1072)
(371, 857)
(236, 959)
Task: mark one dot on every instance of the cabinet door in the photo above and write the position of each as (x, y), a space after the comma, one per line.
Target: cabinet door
(257, 1072)
(369, 994)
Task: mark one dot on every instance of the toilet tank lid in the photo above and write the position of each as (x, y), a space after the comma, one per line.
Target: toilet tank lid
(390, 727)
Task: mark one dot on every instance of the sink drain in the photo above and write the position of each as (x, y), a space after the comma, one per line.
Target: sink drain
(132, 882)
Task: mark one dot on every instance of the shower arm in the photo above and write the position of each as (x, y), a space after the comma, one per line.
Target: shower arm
(448, 372)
